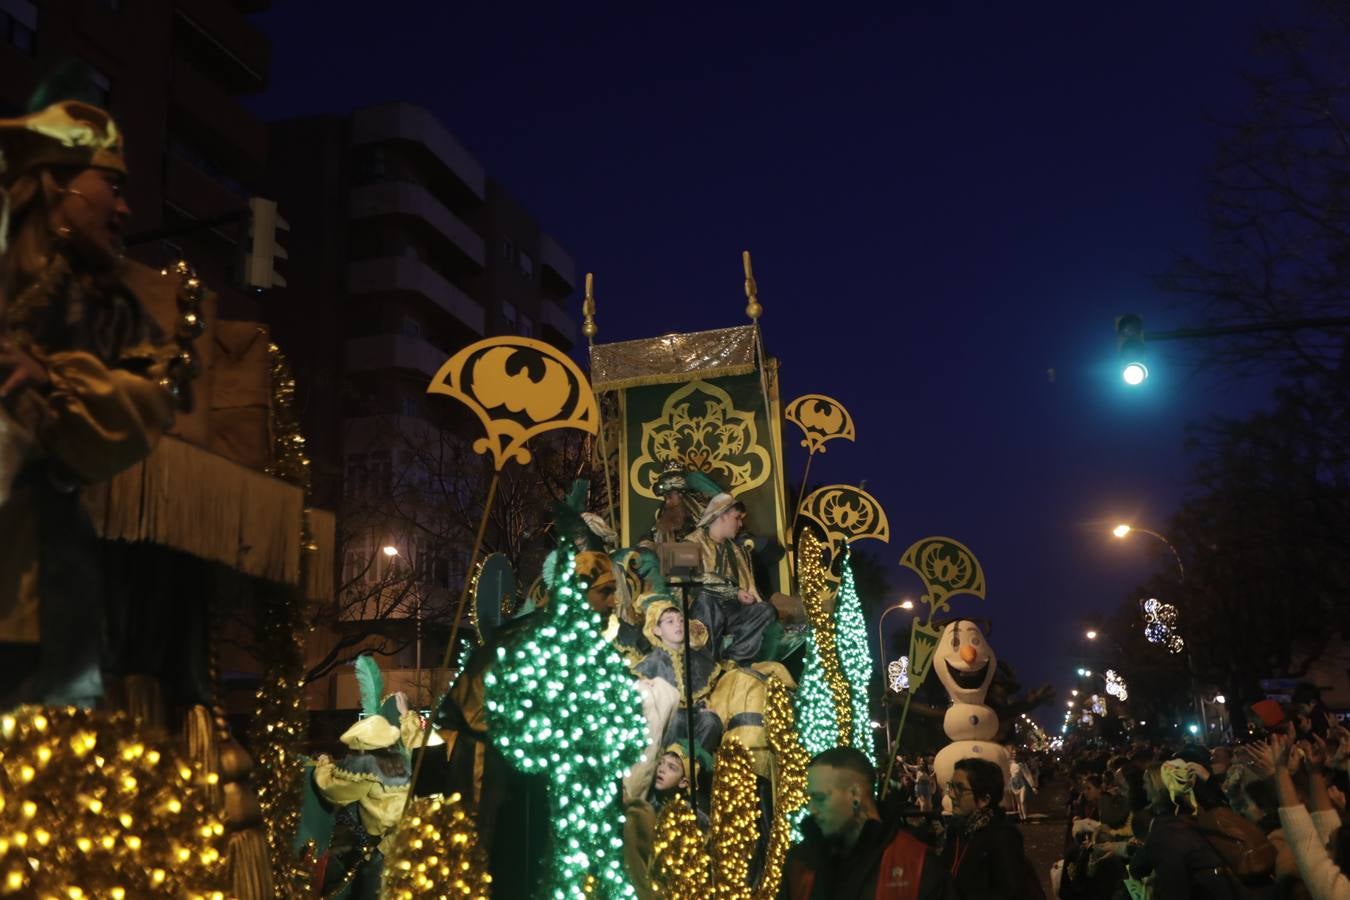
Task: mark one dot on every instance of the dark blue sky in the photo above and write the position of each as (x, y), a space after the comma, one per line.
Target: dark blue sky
(942, 203)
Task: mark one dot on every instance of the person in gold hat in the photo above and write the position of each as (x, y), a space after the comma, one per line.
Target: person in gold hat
(728, 601)
(664, 630)
(84, 378)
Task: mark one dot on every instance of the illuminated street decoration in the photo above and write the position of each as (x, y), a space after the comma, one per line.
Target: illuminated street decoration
(898, 673)
(1115, 685)
(1160, 625)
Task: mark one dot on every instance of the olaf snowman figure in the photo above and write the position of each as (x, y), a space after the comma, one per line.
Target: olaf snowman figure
(965, 665)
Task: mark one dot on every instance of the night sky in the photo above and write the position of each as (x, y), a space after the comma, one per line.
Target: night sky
(942, 204)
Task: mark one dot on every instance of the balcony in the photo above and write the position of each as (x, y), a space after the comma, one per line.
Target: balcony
(556, 259)
(211, 109)
(222, 34)
(554, 317)
(399, 273)
(405, 122)
(380, 352)
(403, 198)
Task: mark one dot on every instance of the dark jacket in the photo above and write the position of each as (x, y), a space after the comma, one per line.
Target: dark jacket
(1183, 863)
(988, 864)
(818, 870)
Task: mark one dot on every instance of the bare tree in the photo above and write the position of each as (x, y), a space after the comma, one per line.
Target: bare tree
(413, 500)
(1279, 199)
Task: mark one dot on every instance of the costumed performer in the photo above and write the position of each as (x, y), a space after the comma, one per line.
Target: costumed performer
(684, 494)
(673, 777)
(86, 387)
(727, 600)
(365, 793)
(662, 686)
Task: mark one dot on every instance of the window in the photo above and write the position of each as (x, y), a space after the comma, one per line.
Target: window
(18, 25)
(526, 326)
(354, 484)
(411, 327)
(508, 251)
(509, 315)
(526, 265)
(412, 406)
(357, 568)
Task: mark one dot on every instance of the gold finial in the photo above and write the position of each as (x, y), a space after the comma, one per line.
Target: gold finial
(752, 306)
(589, 328)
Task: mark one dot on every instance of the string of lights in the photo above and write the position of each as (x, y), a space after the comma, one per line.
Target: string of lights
(561, 701)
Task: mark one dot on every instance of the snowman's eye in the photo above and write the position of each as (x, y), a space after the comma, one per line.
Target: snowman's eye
(956, 642)
(975, 642)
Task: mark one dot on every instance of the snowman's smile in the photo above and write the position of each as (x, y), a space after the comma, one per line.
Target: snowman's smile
(968, 680)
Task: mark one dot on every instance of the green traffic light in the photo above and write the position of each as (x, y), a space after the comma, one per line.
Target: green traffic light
(1134, 373)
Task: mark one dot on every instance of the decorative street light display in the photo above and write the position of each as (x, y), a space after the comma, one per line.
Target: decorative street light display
(898, 672)
(1160, 625)
(1115, 685)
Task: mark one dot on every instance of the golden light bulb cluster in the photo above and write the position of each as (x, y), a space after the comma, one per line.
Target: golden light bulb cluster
(680, 867)
(780, 729)
(90, 808)
(735, 819)
(816, 587)
(435, 853)
(281, 716)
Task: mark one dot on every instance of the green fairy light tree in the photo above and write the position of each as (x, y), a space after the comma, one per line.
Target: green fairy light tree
(855, 658)
(560, 701)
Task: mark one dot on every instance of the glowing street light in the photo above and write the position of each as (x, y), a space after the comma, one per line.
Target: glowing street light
(1220, 699)
(1074, 692)
(1124, 530)
(1090, 635)
(390, 550)
(906, 605)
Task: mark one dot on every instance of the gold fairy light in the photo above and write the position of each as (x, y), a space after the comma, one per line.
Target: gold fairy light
(435, 853)
(735, 819)
(92, 809)
(789, 786)
(281, 716)
(817, 585)
(681, 867)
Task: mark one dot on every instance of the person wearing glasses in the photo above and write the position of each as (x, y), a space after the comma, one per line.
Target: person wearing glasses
(983, 853)
(848, 850)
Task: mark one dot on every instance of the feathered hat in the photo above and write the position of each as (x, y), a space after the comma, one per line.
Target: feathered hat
(674, 477)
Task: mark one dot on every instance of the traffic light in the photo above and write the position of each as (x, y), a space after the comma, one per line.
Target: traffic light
(1130, 348)
(263, 251)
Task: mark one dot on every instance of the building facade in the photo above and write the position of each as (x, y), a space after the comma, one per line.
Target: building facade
(402, 250)
(173, 73)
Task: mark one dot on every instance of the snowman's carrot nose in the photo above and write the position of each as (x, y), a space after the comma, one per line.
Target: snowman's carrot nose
(968, 654)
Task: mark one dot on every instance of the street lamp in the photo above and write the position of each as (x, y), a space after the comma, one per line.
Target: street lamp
(1090, 635)
(390, 550)
(1124, 530)
(905, 605)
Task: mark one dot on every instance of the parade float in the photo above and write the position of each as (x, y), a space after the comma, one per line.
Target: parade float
(634, 720)
(655, 693)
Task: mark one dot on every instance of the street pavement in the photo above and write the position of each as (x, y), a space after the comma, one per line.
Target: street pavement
(1043, 833)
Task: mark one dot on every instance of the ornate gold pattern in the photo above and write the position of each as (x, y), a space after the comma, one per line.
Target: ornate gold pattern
(701, 428)
(947, 567)
(821, 419)
(519, 388)
(845, 514)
